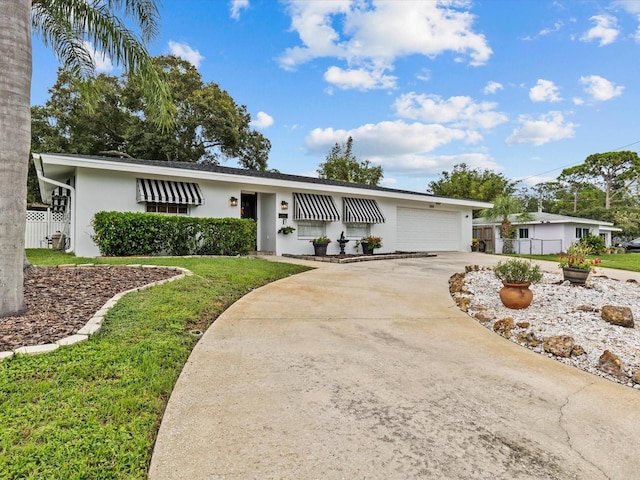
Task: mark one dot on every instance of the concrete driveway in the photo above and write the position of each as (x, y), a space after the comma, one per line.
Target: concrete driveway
(370, 371)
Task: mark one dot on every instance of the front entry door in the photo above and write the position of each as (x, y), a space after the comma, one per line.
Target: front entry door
(248, 206)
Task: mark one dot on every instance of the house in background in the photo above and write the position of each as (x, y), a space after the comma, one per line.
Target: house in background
(406, 221)
(544, 233)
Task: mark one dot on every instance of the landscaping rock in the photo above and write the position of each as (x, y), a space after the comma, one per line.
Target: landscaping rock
(577, 350)
(504, 327)
(528, 339)
(610, 363)
(483, 317)
(621, 316)
(559, 345)
(523, 324)
(464, 302)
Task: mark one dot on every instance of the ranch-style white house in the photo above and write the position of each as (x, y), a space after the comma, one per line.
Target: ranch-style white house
(542, 233)
(81, 186)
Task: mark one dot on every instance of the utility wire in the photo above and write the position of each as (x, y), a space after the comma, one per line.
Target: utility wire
(572, 164)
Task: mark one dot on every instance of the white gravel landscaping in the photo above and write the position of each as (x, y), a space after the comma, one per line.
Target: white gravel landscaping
(559, 308)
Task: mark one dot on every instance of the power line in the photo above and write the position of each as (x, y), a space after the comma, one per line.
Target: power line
(572, 164)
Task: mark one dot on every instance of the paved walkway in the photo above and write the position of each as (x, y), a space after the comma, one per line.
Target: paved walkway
(369, 371)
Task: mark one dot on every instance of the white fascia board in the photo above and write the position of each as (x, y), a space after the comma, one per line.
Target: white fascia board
(251, 181)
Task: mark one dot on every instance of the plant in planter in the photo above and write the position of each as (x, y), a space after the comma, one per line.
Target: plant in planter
(286, 230)
(320, 245)
(575, 264)
(516, 276)
(475, 243)
(369, 244)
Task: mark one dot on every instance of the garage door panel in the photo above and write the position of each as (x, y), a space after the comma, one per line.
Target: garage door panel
(427, 230)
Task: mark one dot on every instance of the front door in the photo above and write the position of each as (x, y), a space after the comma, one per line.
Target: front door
(248, 206)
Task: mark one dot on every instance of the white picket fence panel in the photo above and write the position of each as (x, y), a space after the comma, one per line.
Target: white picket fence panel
(40, 225)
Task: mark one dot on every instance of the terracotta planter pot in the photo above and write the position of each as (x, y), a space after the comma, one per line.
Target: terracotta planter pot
(576, 276)
(516, 295)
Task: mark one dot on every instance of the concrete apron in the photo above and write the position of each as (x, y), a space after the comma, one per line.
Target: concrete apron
(369, 370)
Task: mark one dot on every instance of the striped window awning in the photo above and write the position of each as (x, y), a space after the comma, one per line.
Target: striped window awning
(361, 210)
(308, 206)
(167, 191)
(59, 199)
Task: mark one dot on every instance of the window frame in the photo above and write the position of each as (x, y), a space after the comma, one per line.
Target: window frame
(305, 229)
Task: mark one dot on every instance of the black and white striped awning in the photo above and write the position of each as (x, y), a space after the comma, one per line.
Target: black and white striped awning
(308, 206)
(361, 210)
(167, 191)
(59, 199)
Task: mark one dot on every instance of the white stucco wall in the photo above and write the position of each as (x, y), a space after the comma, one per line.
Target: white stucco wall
(103, 185)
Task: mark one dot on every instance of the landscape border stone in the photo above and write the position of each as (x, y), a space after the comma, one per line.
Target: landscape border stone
(94, 324)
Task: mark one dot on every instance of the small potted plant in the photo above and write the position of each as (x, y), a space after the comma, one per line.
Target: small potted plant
(286, 230)
(320, 245)
(575, 264)
(475, 243)
(369, 244)
(516, 276)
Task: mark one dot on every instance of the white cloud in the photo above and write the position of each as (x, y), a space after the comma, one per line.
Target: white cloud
(262, 120)
(556, 27)
(460, 111)
(101, 62)
(605, 30)
(578, 101)
(546, 128)
(544, 91)
(424, 75)
(599, 88)
(237, 6)
(492, 87)
(372, 35)
(359, 78)
(399, 147)
(185, 52)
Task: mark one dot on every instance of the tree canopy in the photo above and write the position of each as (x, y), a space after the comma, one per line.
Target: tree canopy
(341, 164)
(209, 126)
(614, 172)
(475, 184)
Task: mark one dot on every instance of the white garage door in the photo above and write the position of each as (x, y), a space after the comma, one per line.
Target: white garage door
(427, 230)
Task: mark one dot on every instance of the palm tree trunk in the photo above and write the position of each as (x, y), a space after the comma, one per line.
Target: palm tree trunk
(15, 137)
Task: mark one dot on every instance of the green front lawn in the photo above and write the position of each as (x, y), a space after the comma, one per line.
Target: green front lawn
(621, 261)
(93, 410)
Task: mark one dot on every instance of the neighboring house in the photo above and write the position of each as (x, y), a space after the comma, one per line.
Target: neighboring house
(545, 233)
(406, 221)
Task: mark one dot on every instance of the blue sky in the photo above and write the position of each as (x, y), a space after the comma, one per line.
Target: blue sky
(521, 87)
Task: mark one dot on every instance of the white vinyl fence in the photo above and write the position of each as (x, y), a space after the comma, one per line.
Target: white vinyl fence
(41, 226)
(531, 246)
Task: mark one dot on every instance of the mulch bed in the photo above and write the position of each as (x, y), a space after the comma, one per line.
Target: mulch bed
(60, 300)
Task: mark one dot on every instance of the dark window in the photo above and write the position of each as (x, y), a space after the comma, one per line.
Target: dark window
(172, 208)
(523, 233)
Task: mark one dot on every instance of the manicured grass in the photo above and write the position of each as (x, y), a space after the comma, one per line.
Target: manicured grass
(93, 410)
(621, 261)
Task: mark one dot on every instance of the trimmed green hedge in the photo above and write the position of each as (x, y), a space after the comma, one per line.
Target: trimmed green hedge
(123, 234)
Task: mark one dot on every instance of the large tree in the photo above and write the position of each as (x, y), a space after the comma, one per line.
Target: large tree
(342, 164)
(65, 26)
(614, 172)
(476, 184)
(209, 126)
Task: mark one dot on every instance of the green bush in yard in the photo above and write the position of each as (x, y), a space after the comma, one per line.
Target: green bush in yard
(134, 233)
(596, 244)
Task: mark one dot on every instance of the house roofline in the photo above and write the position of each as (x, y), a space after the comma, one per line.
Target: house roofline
(255, 177)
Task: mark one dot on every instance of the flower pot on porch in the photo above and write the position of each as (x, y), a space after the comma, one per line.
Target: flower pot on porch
(516, 295)
(320, 249)
(577, 276)
(365, 248)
